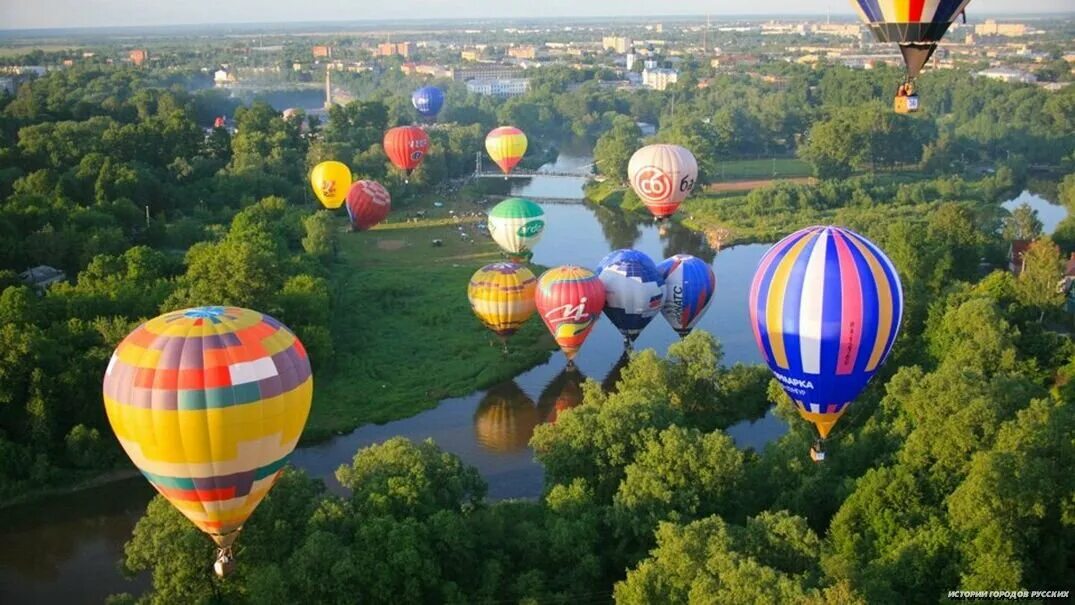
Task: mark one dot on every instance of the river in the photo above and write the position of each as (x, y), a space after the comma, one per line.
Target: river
(66, 548)
(1049, 214)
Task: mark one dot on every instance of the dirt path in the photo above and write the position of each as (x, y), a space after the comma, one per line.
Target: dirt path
(755, 184)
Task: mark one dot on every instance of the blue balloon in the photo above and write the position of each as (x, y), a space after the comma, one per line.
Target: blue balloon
(428, 100)
(634, 290)
(689, 284)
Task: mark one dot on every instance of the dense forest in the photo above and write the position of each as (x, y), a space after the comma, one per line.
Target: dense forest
(953, 469)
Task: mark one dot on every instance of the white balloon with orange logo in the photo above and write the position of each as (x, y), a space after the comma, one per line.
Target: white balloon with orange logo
(662, 176)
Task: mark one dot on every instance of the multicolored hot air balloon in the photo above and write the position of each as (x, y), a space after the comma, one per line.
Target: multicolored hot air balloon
(516, 225)
(502, 296)
(634, 291)
(825, 305)
(662, 176)
(507, 146)
(570, 299)
(331, 181)
(689, 284)
(406, 147)
(368, 203)
(917, 26)
(209, 403)
(428, 101)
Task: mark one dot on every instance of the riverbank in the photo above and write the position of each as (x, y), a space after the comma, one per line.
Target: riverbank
(70, 482)
(404, 335)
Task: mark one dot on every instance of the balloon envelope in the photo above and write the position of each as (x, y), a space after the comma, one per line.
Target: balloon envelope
(825, 307)
(368, 203)
(507, 146)
(209, 403)
(406, 147)
(330, 181)
(570, 299)
(516, 225)
(916, 25)
(662, 176)
(502, 296)
(689, 285)
(428, 101)
(634, 290)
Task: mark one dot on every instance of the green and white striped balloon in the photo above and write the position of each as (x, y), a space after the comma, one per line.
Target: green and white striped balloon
(516, 225)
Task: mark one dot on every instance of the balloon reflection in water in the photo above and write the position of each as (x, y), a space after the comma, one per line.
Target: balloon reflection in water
(611, 382)
(561, 394)
(505, 419)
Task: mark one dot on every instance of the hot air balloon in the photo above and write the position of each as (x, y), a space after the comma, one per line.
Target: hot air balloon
(406, 146)
(516, 225)
(917, 26)
(689, 284)
(507, 146)
(570, 299)
(634, 291)
(825, 306)
(505, 419)
(428, 100)
(662, 176)
(502, 296)
(331, 181)
(209, 403)
(368, 204)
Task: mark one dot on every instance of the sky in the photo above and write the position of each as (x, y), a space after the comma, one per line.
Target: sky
(24, 14)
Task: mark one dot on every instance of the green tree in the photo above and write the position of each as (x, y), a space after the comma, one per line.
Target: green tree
(615, 147)
(680, 476)
(404, 479)
(1022, 224)
(1042, 271)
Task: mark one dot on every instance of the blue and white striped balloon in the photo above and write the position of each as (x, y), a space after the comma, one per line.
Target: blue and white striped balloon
(825, 306)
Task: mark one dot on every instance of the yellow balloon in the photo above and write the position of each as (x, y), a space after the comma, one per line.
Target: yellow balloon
(507, 146)
(209, 403)
(330, 181)
(502, 296)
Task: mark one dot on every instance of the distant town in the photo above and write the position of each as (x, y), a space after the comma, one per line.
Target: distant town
(494, 60)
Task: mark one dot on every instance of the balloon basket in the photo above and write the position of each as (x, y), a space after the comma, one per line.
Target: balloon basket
(817, 452)
(225, 562)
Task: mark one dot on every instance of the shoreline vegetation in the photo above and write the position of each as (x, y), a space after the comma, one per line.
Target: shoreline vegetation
(393, 292)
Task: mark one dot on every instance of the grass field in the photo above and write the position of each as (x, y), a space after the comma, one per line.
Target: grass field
(404, 334)
(740, 170)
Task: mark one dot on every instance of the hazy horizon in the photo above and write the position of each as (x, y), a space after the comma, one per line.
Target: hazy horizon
(63, 14)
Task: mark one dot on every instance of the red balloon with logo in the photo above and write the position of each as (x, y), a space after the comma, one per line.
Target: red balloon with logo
(406, 146)
(662, 176)
(570, 300)
(368, 203)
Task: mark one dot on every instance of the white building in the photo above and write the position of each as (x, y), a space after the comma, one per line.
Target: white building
(223, 76)
(659, 79)
(505, 87)
(631, 58)
(1008, 74)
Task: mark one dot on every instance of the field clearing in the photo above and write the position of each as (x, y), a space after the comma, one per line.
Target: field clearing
(404, 334)
(767, 168)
